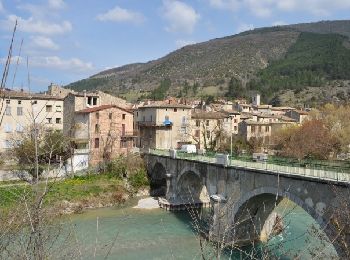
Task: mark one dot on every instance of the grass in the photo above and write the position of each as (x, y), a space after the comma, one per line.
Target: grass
(82, 188)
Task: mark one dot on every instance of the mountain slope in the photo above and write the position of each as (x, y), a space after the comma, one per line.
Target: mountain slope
(213, 63)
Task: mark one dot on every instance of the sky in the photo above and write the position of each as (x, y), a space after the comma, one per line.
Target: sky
(68, 40)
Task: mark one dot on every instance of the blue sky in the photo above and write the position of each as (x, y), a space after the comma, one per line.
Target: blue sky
(67, 40)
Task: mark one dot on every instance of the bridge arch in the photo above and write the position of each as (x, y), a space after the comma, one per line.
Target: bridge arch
(190, 187)
(157, 176)
(252, 210)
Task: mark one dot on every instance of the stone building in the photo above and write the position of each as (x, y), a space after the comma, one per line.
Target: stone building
(162, 126)
(106, 131)
(298, 115)
(19, 110)
(209, 129)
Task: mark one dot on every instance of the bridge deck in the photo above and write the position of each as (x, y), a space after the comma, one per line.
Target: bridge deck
(314, 173)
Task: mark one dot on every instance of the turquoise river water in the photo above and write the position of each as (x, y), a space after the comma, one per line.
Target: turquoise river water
(127, 233)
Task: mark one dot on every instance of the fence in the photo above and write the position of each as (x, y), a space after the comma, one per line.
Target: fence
(317, 171)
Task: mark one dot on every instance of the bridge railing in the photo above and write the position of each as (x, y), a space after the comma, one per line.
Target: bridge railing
(318, 173)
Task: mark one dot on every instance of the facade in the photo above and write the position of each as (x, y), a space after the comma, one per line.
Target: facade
(252, 129)
(162, 126)
(210, 128)
(106, 131)
(297, 115)
(20, 109)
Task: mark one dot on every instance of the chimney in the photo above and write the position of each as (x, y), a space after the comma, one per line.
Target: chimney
(84, 91)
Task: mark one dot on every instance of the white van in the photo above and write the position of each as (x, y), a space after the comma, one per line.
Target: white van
(188, 148)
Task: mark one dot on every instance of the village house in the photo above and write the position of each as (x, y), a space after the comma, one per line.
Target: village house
(106, 131)
(20, 109)
(162, 125)
(298, 115)
(209, 129)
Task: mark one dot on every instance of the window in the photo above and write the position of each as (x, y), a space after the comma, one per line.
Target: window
(235, 128)
(267, 128)
(144, 118)
(58, 109)
(94, 101)
(208, 134)
(97, 142)
(19, 102)
(151, 118)
(19, 111)
(184, 120)
(124, 115)
(123, 129)
(8, 101)
(259, 130)
(207, 123)
(97, 128)
(123, 144)
(110, 115)
(8, 128)
(97, 115)
(7, 144)
(235, 120)
(137, 113)
(89, 101)
(253, 129)
(58, 120)
(175, 109)
(48, 108)
(19, 128)
(34, 102)
(166, 118)
(198, 123)
(8, 110)
(48, 120)
(197, 133)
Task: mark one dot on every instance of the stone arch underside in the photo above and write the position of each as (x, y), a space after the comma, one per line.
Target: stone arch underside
(191, 189)
(158, 180)
(251, 211)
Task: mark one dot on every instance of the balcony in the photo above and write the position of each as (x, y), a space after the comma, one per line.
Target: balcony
(152, 124)
(129, 134)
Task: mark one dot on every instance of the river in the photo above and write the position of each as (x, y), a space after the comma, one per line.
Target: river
(128, 233)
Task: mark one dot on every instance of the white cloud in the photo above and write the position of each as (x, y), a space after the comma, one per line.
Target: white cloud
(233, 5)
(118, 14)
(278, 23)
(44, 42)
(182, 43)
(32, 25)
(2, 9)
(180, 16)
(56, 4)
(55, 62)
(266, 8)
(244, 27)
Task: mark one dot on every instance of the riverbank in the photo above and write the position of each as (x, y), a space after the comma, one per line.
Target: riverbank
(78, 193)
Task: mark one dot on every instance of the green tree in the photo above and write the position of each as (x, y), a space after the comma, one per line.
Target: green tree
(51, 147)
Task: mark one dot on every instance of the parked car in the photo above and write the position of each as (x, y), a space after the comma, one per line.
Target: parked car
(188, 148)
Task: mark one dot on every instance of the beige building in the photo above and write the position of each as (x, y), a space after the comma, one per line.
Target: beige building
(20, 109)
(298, 115)
(162, 126)
(106, 131)
(74, 102)
(209, 129)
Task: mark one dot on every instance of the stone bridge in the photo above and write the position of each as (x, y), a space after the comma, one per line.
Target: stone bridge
(243, 198)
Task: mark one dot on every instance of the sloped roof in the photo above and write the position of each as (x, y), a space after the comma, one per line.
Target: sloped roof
(102, 107)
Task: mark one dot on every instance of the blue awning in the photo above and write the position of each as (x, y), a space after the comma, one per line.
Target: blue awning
(167, 123)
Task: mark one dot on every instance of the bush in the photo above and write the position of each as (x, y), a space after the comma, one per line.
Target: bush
(139, 179)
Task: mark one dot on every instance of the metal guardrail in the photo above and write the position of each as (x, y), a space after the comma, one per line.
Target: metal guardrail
(315, 173)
